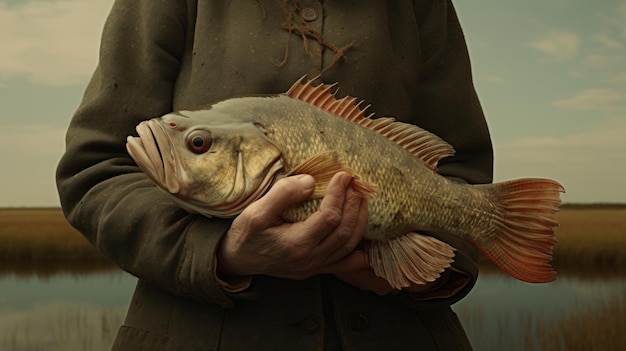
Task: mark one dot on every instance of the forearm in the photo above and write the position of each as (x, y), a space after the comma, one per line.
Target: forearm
(103, 193)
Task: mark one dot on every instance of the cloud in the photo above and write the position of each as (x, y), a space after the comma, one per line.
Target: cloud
(619, 18)
(559, 45)
(51, 42)
(602, 60)
(606, 51)
(587, 163)
(29, 155)
(28, 140)
(608, 42)
(606, 138)
(619, 78)
(594, 99)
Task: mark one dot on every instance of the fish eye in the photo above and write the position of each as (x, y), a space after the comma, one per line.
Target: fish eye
(199, 141)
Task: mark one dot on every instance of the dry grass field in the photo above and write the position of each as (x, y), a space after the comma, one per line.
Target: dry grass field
(40, 234)
(41, 241)
(585, 329)
(590, 238)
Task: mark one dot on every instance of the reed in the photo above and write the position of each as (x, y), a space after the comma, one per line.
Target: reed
(62, 327)
(590, 327)
(41, 235)
(590, 238)
(597, 328)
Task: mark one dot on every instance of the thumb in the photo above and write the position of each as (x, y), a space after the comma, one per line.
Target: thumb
(285, 193)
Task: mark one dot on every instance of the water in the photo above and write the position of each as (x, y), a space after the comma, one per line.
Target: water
(63, 312)
(500, 311)
(82, 312)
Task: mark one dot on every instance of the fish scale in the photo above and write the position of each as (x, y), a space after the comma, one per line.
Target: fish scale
(225, 156)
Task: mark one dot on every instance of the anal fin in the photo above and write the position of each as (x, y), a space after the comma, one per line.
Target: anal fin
(412, 258)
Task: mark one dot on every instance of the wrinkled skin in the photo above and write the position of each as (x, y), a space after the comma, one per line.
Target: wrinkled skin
(260, 242)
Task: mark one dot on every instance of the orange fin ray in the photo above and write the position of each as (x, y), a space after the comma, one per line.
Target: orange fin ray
(410, 259)
(422, 144)
(322, 167)
(524, 245)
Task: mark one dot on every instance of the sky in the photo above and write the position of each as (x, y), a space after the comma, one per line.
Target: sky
(550, 74)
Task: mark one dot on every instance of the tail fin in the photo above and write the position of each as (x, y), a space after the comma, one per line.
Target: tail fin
(525, 239)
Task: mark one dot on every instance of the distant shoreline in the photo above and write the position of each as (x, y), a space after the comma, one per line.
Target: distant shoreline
(590, 237)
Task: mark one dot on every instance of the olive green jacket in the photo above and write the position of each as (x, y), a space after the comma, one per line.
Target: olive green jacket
(406, 58)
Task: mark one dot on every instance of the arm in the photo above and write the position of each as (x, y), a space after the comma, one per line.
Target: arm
(103, 194)
(120, 211)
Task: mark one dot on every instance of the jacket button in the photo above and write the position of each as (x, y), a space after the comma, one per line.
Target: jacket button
(310, 325)
(309, 14)
(358, 322)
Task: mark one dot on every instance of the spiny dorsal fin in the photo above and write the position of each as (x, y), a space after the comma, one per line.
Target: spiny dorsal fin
(422, 144)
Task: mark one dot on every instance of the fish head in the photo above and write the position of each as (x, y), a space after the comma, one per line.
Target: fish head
(211, 163)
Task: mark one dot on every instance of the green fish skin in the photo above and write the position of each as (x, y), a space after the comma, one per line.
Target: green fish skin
(217, 160)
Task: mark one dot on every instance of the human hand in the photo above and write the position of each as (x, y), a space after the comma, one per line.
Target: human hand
(260, 242)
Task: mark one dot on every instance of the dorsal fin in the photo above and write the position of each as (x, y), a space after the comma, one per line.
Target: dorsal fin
(422, 144)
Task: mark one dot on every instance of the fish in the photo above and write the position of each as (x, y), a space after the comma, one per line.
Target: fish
(217, 159)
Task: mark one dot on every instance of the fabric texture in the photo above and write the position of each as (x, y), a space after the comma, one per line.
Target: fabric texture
(408, 59)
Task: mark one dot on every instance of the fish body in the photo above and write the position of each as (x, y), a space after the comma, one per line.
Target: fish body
(217, 160)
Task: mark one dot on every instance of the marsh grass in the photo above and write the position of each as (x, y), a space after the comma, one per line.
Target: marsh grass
(597, 326)
(41, 240)
(40, 234)
(591, 238)
(62, 327)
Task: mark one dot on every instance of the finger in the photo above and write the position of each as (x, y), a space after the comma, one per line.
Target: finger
(328, 216)
(285, 193)
(342, 241)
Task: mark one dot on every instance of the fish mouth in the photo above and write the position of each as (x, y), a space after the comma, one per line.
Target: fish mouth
(153, 153)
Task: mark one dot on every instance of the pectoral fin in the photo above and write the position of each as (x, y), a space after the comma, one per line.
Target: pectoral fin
(323, 166)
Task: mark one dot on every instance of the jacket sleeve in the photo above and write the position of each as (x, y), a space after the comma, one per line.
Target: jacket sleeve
(103, 193)
(450, 108)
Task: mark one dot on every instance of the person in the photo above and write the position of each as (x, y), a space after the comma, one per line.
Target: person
(256, 283)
